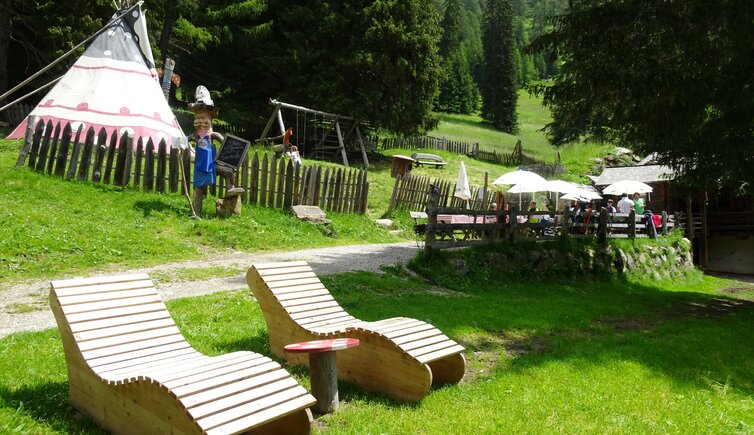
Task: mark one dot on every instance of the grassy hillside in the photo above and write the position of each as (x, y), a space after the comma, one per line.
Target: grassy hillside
(54, 228)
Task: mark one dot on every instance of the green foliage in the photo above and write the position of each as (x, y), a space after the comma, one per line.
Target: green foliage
(667, 77)
(458, 91)
(499, 78)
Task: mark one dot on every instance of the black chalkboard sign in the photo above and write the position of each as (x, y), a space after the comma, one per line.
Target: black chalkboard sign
(233, 151)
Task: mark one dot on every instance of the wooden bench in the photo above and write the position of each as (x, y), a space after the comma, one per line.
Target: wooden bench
(423, 159)
(131, 370)
(400, 357)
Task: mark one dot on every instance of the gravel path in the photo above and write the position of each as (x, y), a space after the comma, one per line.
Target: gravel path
(33, 295)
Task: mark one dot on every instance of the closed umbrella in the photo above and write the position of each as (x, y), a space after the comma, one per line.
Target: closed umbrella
(626, 186)
(462, 184)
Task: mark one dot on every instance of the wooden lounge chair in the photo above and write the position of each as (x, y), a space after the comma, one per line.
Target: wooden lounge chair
(400, 357)
(131, 370)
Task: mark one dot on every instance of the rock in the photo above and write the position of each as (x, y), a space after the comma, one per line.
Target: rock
(622, 151)
(228, 206)
(460, 266)
(386, 223)
(395, 231)
(310, 213)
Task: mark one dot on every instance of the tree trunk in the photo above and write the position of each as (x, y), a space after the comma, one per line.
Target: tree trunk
(6, 14)
(171, 14)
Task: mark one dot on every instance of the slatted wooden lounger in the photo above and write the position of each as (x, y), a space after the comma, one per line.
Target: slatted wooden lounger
(400, 357)
(131, 370)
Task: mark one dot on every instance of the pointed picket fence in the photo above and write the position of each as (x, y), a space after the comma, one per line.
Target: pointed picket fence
(269, 180)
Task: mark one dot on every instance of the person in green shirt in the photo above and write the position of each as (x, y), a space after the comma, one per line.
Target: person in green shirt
(638, 204)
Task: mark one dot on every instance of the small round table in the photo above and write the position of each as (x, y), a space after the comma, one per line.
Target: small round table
(324, 372)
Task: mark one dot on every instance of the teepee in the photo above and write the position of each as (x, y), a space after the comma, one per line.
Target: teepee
(114, 86)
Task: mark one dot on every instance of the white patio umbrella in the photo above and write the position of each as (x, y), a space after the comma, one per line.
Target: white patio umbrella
(462, 184)
(561, 186)
(523, 179)
(626, 186)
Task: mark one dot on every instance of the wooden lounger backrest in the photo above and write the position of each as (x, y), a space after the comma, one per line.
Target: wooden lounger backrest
(296, 288)
(109, 321)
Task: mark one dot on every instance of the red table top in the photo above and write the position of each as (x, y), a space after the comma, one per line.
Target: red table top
(322, 345)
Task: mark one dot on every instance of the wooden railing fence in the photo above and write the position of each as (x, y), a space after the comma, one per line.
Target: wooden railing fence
(515, 158)
(450, 227)
(411, 192)
(269, 181)
(16, 113)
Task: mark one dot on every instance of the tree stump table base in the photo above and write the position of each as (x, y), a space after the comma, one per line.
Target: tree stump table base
(323, 369)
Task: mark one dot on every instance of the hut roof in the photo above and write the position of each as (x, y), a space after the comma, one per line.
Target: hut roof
(645, 174)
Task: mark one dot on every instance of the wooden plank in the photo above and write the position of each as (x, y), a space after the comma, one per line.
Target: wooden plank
(62, 155)
(120, 349)
(116, 342)
(315, 314)
(265, 270)
(136, 354)
(302, 294)
(108, 296)
(271, 185)
(254, 189)
(289, 303)
(31, 122)
(283, 286)
(162, 152)
(138, 161)
(442, 353)
(257, 412)
(75, 155)
(280, 382)
(263, 182)
(88, 316)
(120, 159)
(325, 187)
(97, 280)
(245, 179)
(111, 152)
(225, 365)
(53, 153)
(194, 401)
(123, 370)
(288, 194)
(34, 152)
(186, 170)
(173, 170)
(99, 155)
(216, 381)
(289, 276)
(86, 157)
(44, 148)
(98, 326)
(106, 305)
(279, 191)
(294, 309)
(149, 167)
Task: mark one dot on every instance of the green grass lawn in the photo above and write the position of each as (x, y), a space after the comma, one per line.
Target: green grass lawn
(574, 356)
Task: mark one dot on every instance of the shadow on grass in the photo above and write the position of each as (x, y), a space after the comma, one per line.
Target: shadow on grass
(692, 338)
(47, 403)
(155, 206)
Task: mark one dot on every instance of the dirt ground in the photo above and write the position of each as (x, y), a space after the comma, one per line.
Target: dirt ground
(24, 306)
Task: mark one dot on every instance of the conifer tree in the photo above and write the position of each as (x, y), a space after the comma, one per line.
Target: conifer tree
(499, 74)
(458, 92)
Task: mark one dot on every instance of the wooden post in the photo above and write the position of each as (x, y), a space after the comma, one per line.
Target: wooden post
(120, 162)
(288, 200)
(263, 182)
(86, 158)
(38, 133)
(111, 157)
(632, 224)
(602, 229)
(434, 196)
(62, 157)
(53, 149)
(75, 155)
(566, 221)
(149, 167)
(513, 224)
(324, 378)
(129, 160)
(254, 188)
(271, 185)
(161, 167)
(42, 157)
(281, 184)
(99, 155)
(173, 170)
(28, 137)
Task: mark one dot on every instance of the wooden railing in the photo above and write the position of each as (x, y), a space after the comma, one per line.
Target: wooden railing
(269, 181)
(449, 227)
(411, 192)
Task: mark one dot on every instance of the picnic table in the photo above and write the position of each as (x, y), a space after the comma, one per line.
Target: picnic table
(428, 160)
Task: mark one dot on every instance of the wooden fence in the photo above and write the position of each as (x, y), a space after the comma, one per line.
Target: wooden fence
(450, 227)
(16, 113)
(515, 158)
(411, 192)
(269, 181)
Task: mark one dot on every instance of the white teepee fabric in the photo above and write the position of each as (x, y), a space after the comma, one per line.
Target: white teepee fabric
(114, 86)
